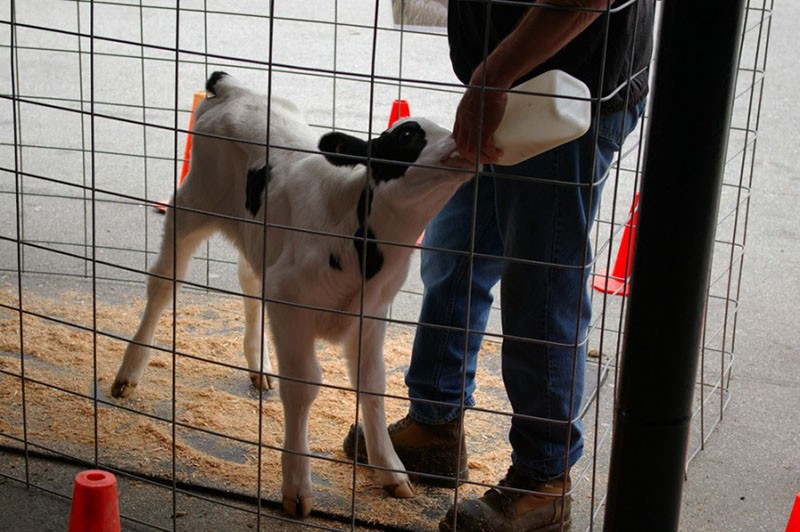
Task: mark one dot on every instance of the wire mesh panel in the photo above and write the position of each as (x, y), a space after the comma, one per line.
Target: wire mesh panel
(99, 99)
(725, 284)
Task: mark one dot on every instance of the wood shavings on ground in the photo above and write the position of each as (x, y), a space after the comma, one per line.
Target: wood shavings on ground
(223, 427)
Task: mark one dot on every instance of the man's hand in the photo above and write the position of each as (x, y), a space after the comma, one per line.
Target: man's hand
(473, 130)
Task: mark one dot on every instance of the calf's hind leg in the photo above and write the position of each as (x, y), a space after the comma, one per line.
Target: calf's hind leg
(255, 338)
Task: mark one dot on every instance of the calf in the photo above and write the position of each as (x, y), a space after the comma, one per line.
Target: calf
(329, 263)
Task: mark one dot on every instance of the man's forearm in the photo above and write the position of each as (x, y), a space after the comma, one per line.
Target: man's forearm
(541, 33)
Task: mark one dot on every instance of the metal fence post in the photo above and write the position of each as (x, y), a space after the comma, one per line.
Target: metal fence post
(693, 89)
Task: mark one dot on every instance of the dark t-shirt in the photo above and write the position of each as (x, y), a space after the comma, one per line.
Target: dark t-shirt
(626, 51)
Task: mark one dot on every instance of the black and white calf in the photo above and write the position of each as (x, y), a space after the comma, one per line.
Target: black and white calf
(331, 219)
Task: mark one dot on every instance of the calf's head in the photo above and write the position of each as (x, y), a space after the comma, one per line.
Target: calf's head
(414, 162)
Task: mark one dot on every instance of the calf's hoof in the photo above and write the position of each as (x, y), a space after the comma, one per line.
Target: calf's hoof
(400, 491)
(261, 382)
(122, 388)
(297, 506)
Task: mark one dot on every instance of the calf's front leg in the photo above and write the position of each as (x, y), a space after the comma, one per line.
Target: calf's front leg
(371, 381)
(293, 330)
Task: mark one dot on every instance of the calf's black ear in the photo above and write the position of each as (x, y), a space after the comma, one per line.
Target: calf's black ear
(341, 149)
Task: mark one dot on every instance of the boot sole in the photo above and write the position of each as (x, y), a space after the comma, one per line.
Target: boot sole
(444, 526)
(440, 481)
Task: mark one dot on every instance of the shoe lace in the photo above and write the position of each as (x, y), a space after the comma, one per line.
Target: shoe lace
(511, 480)
(505, 499)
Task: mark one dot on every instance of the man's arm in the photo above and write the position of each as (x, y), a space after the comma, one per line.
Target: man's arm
(540, 34)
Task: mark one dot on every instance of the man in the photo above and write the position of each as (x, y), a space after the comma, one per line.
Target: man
(528, 225)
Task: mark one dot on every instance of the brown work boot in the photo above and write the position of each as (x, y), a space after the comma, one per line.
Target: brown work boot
(430, 453)
(544, 508)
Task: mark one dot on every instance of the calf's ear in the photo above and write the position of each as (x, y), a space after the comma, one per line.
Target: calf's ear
(341, 149)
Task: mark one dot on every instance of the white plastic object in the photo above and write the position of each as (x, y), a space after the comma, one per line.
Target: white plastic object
(535, 123)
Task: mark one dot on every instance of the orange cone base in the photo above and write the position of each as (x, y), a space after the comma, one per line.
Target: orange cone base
(608, 284)
(94, 503)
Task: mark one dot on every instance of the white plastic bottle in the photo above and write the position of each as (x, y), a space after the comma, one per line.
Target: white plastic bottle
(535, 123)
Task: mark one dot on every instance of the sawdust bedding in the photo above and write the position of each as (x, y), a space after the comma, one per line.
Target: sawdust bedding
(216, 438)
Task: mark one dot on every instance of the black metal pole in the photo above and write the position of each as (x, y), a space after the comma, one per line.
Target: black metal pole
(693, 88)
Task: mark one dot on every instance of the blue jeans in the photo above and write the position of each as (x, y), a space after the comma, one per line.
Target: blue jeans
(530, 231)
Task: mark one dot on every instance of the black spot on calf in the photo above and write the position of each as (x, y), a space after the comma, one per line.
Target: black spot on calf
(364, 204)
(373, 262)
(256, 182)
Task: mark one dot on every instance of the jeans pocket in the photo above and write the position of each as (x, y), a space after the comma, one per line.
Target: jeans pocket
(615, 127)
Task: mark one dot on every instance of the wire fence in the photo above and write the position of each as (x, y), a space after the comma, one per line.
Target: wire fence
(96, 101)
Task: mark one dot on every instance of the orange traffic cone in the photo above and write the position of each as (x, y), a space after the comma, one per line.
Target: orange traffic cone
(794, 518)
(187, 150)
(94, 503)
(618, 282)
(399, 110)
